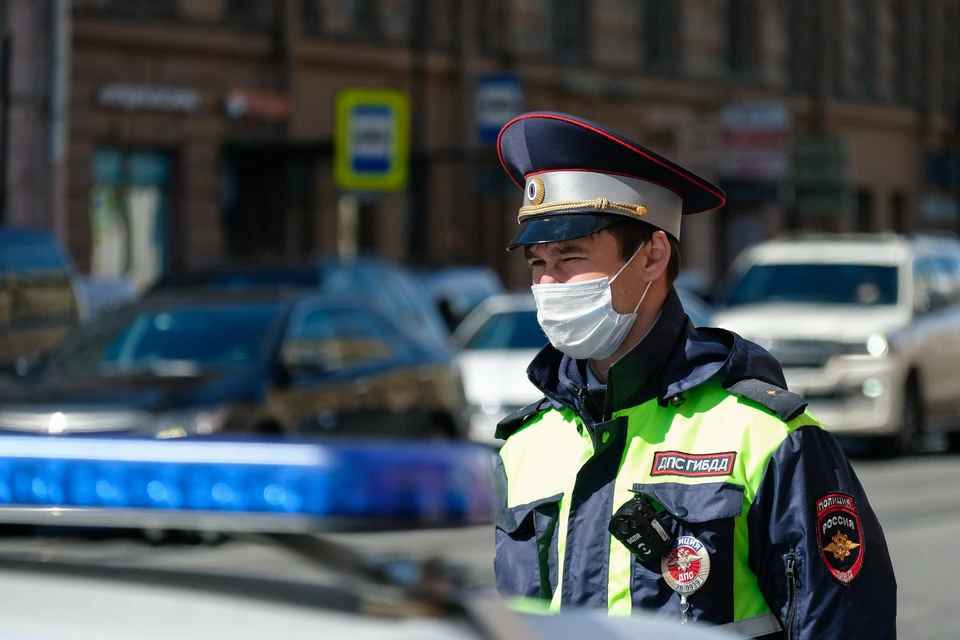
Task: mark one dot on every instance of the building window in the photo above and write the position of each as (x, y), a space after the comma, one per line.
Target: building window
(905, 48)
(129, 214)
(250, 13)
(951, 21)
(801, 29)
(742, 36)
(311, 16)
(568, 27)
(364, 16)
(660, 30)
(865, 42)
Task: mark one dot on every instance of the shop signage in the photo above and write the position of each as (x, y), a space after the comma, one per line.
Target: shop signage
(756, 141)
(147, 97)
(260, 105)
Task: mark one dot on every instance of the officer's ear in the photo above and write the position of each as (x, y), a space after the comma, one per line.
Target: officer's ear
(657, 254)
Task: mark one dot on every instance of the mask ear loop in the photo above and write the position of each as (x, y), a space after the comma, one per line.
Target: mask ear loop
(637, 308)
(617, 274)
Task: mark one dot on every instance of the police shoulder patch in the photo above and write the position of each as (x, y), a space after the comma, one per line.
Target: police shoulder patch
(511, 423)
(840, 536)
(785, 404)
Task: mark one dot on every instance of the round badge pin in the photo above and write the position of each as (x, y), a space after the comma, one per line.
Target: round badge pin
(687, 566)
(535, 191)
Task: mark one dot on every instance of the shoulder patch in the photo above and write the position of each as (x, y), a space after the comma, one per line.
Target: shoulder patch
(510, 424)
(840, 535)
(785, 404)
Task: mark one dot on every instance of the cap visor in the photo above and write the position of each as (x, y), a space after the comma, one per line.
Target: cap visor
(560, 228)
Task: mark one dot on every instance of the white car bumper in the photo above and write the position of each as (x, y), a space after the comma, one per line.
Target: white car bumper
(853, 396)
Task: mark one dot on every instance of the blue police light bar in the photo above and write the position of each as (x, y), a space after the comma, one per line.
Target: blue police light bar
(242, 486)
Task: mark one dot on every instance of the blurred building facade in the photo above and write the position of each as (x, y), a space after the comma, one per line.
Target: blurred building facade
(178, 133)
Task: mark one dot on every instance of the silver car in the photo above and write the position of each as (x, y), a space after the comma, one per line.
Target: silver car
(866, 327)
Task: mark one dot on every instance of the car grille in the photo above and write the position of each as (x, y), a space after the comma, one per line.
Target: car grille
(803, 354)
(44, 421)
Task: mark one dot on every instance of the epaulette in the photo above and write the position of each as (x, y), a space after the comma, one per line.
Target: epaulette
(509, 425)
(785, 404)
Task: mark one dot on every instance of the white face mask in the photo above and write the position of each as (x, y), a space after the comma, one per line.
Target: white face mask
(579, 319)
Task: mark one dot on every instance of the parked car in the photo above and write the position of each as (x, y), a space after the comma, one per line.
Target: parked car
(394, 290)
(867, 328)
(105, 295)
(456, 291)
(498, 340)
(39, 303)
(252, 362)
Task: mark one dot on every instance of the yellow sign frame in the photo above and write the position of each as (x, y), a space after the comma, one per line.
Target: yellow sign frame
(346, 103)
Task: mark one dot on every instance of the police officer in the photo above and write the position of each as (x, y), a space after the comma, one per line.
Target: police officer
(654, 433)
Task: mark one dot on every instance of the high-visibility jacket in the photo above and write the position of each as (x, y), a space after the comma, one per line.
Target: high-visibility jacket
(698, 420)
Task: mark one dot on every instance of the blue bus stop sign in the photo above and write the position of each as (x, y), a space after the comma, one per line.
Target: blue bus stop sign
(499, 99)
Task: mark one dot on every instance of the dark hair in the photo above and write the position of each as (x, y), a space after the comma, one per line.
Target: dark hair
(630, 234)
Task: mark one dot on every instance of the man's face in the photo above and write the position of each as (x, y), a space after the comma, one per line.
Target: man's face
(588, 258)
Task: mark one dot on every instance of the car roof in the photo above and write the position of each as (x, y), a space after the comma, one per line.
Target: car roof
(14, 233)
(880, 248)
(309, 273)
(504, 302)
(284, 297)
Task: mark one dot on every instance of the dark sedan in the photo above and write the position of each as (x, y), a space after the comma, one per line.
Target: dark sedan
(246, 363)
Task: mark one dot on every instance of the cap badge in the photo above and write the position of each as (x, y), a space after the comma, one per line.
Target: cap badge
(535, 191)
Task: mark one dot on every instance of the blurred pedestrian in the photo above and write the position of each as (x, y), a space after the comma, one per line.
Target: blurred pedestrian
(667, 467)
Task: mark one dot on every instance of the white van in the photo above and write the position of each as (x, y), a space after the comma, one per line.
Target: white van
(866, 327)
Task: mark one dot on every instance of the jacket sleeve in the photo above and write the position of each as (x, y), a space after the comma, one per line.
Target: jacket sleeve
(810, 517)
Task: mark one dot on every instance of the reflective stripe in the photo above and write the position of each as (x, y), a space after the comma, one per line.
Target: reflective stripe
(753, 627)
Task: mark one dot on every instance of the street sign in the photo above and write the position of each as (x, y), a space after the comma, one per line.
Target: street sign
(372, 139)
(821, 177)
(499, 99)
(756, 139)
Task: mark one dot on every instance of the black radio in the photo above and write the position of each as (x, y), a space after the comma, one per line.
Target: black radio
(636, 525)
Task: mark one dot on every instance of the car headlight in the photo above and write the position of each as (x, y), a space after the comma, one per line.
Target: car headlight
(489, 409)
(179, 424)
(876, 346)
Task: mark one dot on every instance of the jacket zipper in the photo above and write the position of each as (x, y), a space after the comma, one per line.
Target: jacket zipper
(791, 596)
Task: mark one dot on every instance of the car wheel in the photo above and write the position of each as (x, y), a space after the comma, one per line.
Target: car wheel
(953, 441)
(908, 441)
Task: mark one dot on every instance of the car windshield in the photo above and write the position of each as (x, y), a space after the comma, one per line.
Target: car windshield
(31, 252)
(831, 284)
(186, 339)
(509, 330)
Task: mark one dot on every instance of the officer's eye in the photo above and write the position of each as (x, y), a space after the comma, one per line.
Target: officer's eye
(535, 263)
